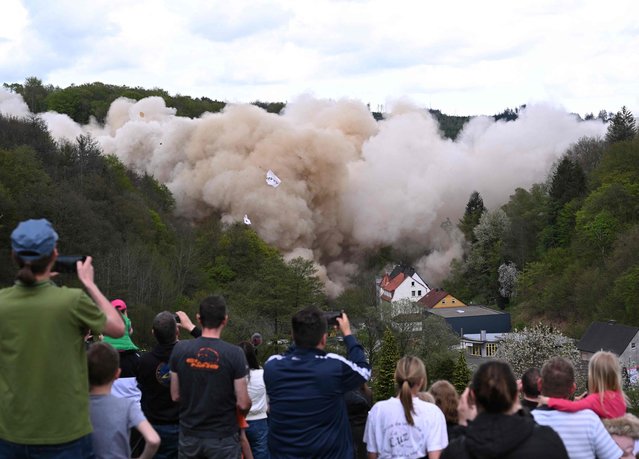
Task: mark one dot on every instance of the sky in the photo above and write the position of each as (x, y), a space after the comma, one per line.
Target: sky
(462, 57)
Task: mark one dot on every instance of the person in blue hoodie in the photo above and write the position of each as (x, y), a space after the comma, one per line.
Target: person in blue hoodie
(306, 387)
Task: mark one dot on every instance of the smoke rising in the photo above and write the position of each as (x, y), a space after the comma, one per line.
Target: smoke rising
(349, 183)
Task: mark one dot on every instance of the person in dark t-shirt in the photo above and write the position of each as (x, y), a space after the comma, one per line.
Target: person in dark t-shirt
(154, 382)
(208, 378)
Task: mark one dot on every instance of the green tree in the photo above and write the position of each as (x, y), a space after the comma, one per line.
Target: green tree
(587, 152)
(34, 94)
(303, 285)
(567, 186)
(528, 213)
(461, 373)
(568, 182)
(486, 255)
(622, 126)
(405, 319)
(437, 343)
(384, 384)
(474, 210)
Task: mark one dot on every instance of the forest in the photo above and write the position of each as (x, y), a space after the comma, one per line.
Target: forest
(562, 251)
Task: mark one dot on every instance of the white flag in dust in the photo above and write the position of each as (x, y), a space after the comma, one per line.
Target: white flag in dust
(272, 179)
(247, 221)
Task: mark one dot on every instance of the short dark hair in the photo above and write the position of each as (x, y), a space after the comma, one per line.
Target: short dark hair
(309, 325)
(557, 378)
(103, 362)
(251, 357)
(212, 311)
(494, 386)
(165, 328)
(530, 382)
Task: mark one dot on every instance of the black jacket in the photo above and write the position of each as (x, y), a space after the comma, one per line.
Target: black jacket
(500, 436)
(154, 381)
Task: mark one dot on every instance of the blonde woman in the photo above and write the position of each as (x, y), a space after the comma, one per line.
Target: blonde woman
(405, 426)
(446, 398)
(606, 397)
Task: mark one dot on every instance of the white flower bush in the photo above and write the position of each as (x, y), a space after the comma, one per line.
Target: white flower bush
(533, 346)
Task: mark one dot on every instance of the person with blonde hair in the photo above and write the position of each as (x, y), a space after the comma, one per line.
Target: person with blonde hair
(446, 398)
(605, 398)
(405, 426)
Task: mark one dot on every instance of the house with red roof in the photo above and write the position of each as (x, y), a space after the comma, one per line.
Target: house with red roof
(401, 283)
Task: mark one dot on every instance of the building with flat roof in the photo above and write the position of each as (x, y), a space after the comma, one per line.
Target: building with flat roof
(473, 319)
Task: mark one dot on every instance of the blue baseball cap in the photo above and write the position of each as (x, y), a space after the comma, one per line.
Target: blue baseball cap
(33, 239)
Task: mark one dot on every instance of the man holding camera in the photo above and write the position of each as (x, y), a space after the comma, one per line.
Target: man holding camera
(44, 386)
(306, 388)
(208, 378)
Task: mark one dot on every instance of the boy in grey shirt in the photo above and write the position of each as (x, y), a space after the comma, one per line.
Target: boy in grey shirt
(113, 417)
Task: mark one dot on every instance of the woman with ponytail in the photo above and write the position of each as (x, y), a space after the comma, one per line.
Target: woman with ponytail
(405, 426)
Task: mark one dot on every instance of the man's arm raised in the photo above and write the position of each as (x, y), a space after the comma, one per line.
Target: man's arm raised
(359, 369)
(114, 326)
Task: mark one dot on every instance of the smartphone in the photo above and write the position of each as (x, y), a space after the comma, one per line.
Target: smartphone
(67, 263)
(331, 317)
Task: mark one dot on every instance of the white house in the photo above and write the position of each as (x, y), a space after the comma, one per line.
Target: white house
(481, 344)
(403, 283)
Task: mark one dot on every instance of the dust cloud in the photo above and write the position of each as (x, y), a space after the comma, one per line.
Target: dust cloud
(349, 185)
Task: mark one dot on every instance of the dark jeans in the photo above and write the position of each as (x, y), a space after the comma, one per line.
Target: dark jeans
(169, 434)
(209, 448)
(80, 449)
(257, 434)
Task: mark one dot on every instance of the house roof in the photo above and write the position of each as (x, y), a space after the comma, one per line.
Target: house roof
(407, 271)
(393, 282)
(464, 311)
(432, 298)
(473, 319)
(607, 336)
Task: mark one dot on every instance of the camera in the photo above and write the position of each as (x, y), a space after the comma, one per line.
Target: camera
(331, 317)
(67, 263)
(177, 318)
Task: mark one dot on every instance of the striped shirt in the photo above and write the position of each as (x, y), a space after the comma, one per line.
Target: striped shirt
(582, 432)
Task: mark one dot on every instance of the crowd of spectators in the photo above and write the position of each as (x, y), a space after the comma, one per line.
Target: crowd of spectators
(207, 398)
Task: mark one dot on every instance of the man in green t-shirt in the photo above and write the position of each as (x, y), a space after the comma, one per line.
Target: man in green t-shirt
(44, 403)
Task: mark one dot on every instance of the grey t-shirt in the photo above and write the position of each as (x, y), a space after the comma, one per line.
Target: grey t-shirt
(112, 418)
(207, 369)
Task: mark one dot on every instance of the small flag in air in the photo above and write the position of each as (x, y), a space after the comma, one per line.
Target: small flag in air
(247, 221)
(272, 179)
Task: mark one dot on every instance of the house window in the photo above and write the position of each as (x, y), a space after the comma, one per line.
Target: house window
(633, 346)
(475, 350)
(413, 293)
(419, 293)
(412, 284)
(453, 301)
(444, 301)
(491, 348)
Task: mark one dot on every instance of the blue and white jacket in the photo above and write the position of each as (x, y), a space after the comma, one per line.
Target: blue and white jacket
(306, 387)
